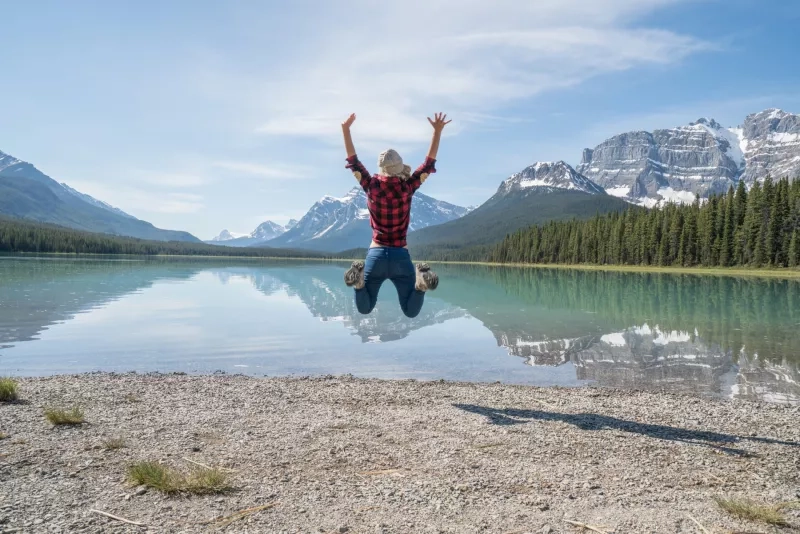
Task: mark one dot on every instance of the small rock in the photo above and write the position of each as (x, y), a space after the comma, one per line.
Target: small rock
(547, 529)
(344, 529)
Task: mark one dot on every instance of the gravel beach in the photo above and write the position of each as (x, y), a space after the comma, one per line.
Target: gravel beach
(340, 454)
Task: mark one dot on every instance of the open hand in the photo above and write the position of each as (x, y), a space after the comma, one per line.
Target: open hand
(439, 121)
(350, 120)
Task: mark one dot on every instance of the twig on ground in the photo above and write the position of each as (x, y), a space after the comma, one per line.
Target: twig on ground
(696, 522)
(241, 514)
(366, 509)
(585, 526)
(380, 472)
(208, 466)
(489, 446)
(117, 518)
(788, 505)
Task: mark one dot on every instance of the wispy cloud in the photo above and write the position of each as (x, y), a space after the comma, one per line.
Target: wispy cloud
(257, 169)
(522, 49)
(176, 180)
(136, 201)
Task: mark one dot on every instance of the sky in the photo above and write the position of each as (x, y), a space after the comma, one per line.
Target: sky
(203, 115)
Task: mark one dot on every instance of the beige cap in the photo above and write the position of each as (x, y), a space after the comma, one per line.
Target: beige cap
(391, 164)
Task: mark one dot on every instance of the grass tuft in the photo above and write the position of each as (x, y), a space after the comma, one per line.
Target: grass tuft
(114, 444)
(64, 417)
(198, 481)
(8, 390)
(752, 511)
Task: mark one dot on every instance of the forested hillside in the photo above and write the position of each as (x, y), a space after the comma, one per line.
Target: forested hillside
(755, 228)
(23, 236)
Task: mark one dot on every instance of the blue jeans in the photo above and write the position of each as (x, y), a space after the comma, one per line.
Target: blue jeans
(395, 264)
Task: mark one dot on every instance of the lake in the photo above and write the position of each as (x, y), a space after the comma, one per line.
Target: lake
(713, 336)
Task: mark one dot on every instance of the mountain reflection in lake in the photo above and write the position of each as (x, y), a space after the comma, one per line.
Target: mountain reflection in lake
(706, 335)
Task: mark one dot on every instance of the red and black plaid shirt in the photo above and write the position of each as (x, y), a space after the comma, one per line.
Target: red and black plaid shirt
(389, 200)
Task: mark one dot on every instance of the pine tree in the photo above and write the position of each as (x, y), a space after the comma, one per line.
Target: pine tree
(793, 259)
(726, 247)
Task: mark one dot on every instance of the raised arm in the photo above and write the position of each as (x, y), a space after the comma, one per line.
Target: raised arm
(438, 124)
(348, 139)
(429, 167)
(356, 167)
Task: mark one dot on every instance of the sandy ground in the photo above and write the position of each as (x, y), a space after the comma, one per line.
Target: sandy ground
(351, 455)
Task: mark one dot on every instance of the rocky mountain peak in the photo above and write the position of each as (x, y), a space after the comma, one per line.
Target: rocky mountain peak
(7, 160)
(711, 123)
(224, 235)
(548, 176)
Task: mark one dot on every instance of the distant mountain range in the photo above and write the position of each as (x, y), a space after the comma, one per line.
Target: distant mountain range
(642, 168)
(27, 193)
(263, 232)
(335, 224)
(701, 158)
(543, 192)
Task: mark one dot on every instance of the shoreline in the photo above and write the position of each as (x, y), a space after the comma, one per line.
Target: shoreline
(344, 454)
(782, 273)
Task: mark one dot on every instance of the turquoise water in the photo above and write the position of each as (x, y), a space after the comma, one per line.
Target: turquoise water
(712, 336)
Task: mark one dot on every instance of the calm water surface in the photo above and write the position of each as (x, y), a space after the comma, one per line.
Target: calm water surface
(713, 336)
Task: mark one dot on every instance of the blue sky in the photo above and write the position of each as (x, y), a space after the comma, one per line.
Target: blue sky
(203, 115)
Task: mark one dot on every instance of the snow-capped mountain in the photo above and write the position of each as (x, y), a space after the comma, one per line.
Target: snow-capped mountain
(263, 232)
(700, 158)
(548, 176)
(340, 223)
(542, 192)
(224, 235)
(28, 193)
(267, 230)
(771, 145)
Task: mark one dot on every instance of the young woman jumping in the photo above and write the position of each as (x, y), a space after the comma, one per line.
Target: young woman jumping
(389, 201)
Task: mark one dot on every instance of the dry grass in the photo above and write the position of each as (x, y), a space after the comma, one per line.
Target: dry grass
(113, 444)
(65, 417)
(198, 481)
(752, 511)
(8, 390)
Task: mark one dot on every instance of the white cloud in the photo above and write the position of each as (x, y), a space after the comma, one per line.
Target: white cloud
(166, 179)
(466, 57)
(136, 201)
(257, 169)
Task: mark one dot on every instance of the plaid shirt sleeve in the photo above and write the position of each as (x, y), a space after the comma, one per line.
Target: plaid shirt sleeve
(421, 174)
(359, 171)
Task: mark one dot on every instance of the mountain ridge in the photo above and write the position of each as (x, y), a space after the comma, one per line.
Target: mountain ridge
(28, 193)
(334, 224)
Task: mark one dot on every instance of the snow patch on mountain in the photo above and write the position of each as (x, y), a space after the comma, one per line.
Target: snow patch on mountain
(344, 221)
(7, 160)
(550, 176)
(225, 235)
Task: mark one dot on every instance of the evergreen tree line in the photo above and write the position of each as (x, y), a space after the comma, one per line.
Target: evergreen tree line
(755, 228)
(23, 236)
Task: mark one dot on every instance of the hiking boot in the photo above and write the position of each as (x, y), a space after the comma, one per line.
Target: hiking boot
(426, 279)
(354, 277)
